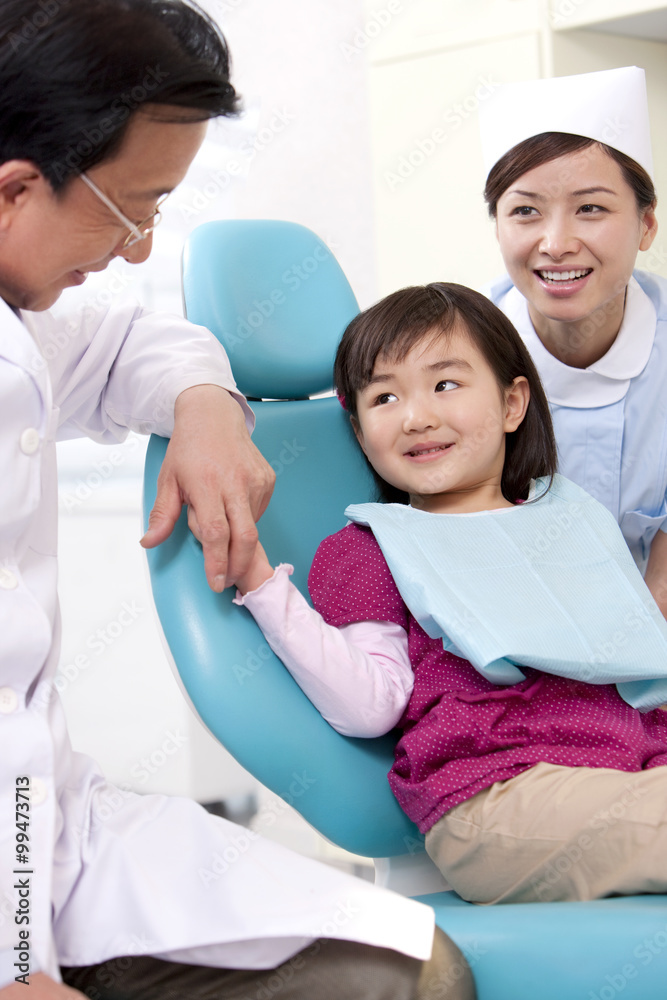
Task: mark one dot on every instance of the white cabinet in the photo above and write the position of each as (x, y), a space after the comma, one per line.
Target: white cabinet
(430, 65)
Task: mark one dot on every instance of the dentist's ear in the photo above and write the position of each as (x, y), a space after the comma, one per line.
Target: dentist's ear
(19, 179)
(517, 398)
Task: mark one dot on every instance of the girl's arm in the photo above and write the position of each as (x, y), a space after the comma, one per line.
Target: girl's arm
(358, 676)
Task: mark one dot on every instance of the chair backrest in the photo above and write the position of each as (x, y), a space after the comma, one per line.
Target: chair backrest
(274, 295)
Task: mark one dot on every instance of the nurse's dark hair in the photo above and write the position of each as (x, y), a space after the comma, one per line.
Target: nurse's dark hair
(72, 73)
(391, 328)
(549, 146)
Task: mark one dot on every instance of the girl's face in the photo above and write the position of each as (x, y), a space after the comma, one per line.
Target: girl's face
(569, 232)
(434, 424)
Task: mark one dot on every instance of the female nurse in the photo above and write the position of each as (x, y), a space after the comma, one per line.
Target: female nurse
(569, 187)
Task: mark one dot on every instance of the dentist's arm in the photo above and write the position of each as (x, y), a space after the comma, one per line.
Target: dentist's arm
(212, 466)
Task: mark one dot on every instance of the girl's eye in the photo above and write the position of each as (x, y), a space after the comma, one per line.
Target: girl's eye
(384, 397)
(524, 211)
(591, 209)
(445, 385)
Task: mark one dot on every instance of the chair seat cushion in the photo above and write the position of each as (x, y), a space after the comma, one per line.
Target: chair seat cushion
(561, 951)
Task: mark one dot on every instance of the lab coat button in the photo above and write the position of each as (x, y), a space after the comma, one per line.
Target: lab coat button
(38, 791)
(8, 700)
(8, 580)
(29, 441)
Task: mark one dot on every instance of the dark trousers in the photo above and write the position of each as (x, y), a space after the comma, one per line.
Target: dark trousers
(325, 970)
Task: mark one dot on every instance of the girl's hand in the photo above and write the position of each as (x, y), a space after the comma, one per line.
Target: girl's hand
(260, 569)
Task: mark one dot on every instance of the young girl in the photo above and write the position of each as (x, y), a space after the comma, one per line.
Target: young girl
(475, 613)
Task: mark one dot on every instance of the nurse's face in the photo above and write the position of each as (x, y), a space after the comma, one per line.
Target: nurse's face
(569, 232)
(49, 242)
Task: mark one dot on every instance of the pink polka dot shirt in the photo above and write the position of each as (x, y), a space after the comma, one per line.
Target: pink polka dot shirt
(460, 732)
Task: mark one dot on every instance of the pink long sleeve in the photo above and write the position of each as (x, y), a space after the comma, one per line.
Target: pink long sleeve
(358, 676)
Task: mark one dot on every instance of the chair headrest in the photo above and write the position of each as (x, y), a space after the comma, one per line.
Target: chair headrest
(276, 298)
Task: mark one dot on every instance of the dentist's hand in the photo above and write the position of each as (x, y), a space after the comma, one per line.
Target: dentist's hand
(41, 988)
(212, 466)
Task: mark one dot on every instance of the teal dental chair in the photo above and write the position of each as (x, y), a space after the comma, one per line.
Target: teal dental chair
(274, 295)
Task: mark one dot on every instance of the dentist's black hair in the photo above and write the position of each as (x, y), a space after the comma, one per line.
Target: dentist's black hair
(73, 72)
(396, 324)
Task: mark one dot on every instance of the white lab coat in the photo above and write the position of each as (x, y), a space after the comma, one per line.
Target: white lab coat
(111, 873)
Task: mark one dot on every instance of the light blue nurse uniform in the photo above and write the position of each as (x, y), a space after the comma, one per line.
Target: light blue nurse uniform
(610, 419)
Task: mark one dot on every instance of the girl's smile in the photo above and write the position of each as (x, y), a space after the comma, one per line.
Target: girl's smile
(569, 232)
(433, 424)
(426, 452)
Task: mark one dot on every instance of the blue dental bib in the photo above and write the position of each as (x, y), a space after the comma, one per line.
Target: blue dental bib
(548, 584)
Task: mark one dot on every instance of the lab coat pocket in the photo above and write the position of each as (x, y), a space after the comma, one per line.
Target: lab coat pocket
(640, 529)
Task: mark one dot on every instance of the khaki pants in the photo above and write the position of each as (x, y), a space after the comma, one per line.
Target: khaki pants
(557, 833)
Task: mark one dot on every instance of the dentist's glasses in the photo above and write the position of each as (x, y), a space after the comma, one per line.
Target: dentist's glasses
(138, 230)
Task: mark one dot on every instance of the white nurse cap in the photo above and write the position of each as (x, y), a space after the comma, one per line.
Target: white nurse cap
(610, 107)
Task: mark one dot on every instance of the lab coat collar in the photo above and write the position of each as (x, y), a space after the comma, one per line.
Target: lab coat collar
(607, 380)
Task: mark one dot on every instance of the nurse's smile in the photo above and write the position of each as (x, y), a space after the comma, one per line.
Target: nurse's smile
(563, 282)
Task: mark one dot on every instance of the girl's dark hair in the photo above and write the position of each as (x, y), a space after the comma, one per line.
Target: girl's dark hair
(392, 327)
(549, 146)
(72, 72)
